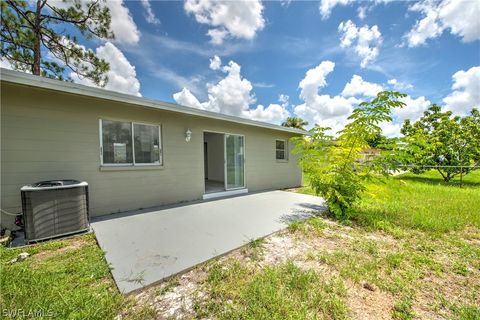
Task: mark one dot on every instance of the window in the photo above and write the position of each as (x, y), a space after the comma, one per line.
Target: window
(128, 143)
(117, 142)
(146, 143)
(281, 149)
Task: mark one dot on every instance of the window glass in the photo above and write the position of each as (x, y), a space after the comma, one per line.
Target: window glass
(280, 155)
(235, 161)
(147, 143)
(280, 150)
(117, 142)
(130, 143)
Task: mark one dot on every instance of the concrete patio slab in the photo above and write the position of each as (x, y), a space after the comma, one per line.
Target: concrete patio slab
(146, 246)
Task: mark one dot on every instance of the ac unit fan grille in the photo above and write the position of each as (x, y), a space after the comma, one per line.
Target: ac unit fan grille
(51, 213)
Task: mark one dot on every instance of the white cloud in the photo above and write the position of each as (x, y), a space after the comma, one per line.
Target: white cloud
(215, 63)
(232, 95)
(333, 111)
(399, 85)
(149, 15)
(365, 40)
(325, 110)
(274, 113)
(459, 16)
(284, 100)
(462, 18)
(122, 24)
(362, 12)
(122, 76)
(263, 85)
(314, 79)
(326, 6)
(186, 98)
(466, 91)
(465, 96)
(428, 27)
(217, 36)
(390, 129)
(413, 109)
(357, 86)
(5, 64)
(235, 19)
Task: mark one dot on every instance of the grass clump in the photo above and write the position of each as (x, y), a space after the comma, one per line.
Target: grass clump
(402, 310)
(254, 249)
(470, 312)
(312, 226)
(274, 292)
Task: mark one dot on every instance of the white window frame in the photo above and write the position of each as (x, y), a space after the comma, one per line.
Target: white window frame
(133, 164)
(285, 150)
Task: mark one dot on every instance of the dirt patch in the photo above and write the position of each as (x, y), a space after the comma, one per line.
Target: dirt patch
(173, 299)
(280, 248)
(470, 234)
(73, 244)
(452, 288)
(363, 303)
(367, 303)
(382, 238)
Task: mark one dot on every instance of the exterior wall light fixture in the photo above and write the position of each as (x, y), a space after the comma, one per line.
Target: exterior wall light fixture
(188, 135)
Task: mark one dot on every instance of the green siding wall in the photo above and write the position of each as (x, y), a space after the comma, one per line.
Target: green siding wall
(52, 135)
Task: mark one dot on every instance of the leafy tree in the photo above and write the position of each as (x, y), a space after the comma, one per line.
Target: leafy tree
(33, 40)
(379, 141)
(294, 122)
(332, 164)
(441, 139)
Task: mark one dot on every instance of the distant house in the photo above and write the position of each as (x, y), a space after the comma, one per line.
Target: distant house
(133, 152)
(369, 154)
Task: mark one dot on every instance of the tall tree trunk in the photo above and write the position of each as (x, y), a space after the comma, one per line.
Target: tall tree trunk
(38, 35)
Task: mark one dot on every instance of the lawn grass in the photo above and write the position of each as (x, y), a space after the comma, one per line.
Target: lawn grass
(423, 202)
(275, 292)
(411, 251)
(63, 279)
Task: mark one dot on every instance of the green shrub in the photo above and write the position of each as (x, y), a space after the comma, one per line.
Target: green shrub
(332, 165)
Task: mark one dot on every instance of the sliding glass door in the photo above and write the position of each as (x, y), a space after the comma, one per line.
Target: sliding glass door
(234, 161)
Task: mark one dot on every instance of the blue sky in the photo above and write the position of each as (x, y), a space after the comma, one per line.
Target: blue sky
(310, 51)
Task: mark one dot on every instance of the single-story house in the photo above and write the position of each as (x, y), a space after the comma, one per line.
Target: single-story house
(133, 152)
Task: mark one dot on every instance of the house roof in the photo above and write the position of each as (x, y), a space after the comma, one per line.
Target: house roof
(30, 80)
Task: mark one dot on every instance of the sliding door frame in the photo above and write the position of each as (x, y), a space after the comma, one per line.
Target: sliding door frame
(225, 158)
(225, 161)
